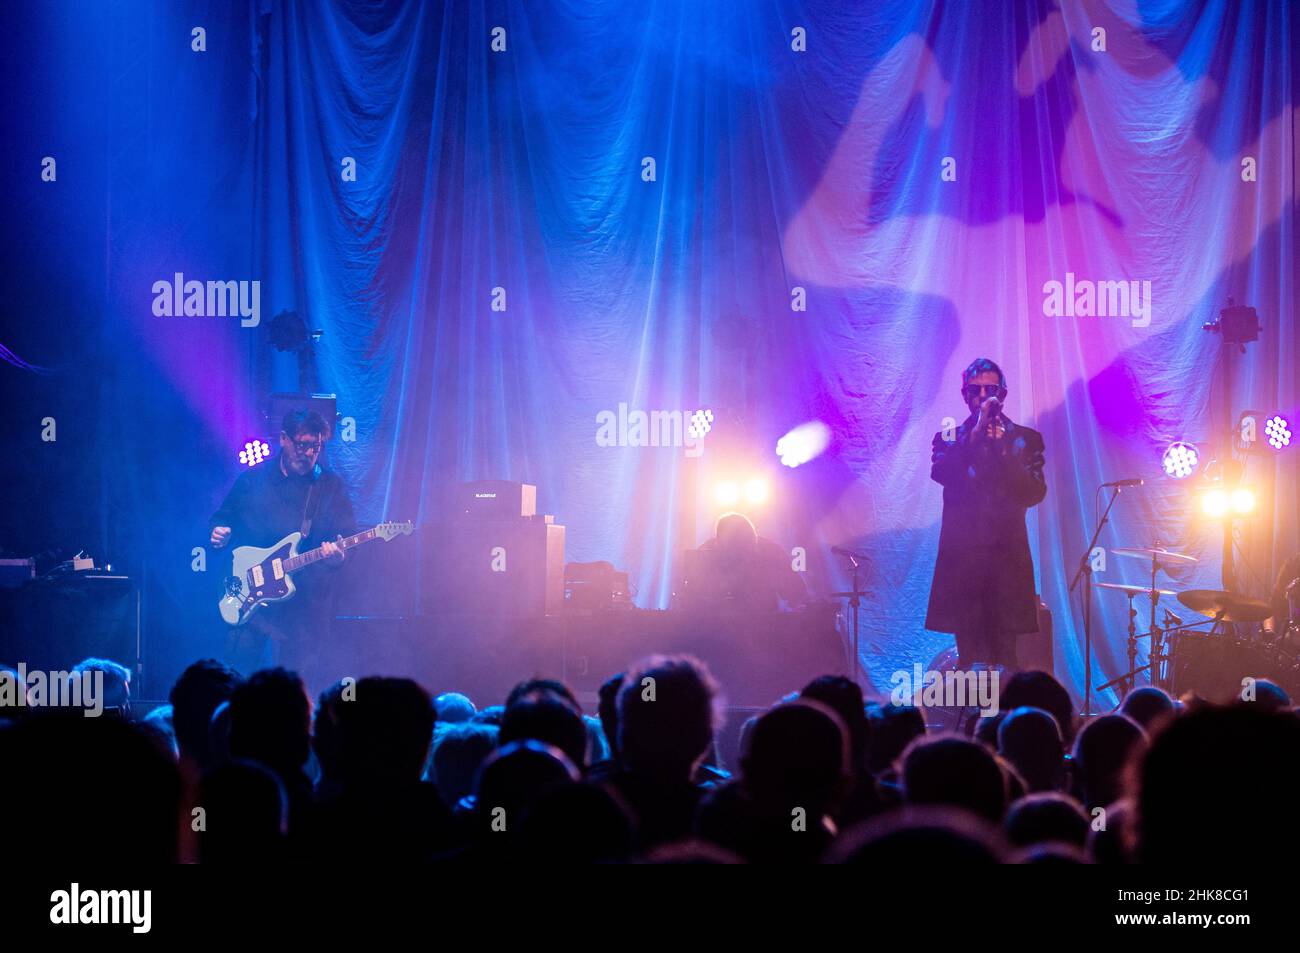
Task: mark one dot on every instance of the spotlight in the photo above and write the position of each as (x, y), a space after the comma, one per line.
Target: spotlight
(701, 423)
(1214, 504)
(754, 490)
(254, 452)
(1218, 503)
(1242, 500)
(803, 443)
(1277, 431)
(1180, 459)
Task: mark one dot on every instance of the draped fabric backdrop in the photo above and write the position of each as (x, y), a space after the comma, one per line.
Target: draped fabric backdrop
(782, 212)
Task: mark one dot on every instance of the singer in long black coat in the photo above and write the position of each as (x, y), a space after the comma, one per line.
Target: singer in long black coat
(984, 573)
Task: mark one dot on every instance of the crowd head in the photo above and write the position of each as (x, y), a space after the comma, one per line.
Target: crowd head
(824, 774)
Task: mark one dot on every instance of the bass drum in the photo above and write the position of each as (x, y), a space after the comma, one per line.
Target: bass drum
(1284, 655)
(1214, 666)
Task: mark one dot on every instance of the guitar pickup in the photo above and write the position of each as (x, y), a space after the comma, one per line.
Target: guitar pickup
(259, 577)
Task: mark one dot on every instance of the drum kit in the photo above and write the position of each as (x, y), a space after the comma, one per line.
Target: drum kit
(1182, 658)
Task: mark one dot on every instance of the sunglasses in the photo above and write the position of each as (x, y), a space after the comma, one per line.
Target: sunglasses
(307, 446)
(981, 390)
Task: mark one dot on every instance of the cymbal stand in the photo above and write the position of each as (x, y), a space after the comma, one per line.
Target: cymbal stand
(1132, 643)
(1155, 651)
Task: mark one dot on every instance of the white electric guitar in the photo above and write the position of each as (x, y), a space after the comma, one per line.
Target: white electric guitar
(260, 576)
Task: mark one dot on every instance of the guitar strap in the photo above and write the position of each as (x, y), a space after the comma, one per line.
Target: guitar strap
(310, 507)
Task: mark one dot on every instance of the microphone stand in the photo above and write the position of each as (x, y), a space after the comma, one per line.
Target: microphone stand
(855, 600)
(1085, 571)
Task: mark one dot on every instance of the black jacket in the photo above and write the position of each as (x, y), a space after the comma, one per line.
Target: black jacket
(265, 505)
(984, 573)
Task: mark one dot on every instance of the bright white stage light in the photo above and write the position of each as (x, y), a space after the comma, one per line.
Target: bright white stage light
(1218, 503)
(700, 424)
(1214, 504)
(1277, 431)
(1242, 500)
(803, 443)
(755, 491)
(254, 452)
(1180, 459)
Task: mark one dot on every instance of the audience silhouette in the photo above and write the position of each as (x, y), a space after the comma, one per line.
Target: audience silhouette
(242, 770)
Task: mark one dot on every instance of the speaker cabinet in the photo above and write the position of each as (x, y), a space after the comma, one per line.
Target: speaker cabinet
(53, 625)
(509, 568)
(1035, 651)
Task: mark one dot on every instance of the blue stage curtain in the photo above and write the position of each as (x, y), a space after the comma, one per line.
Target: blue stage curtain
(915, 173)
(776, 169)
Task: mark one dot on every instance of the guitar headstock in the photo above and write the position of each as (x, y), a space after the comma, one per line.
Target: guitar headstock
(390, 530)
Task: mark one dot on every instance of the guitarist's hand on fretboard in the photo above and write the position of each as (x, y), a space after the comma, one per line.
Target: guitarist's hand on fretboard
(260, 575)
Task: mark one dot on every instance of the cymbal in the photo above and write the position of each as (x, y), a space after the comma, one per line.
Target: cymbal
(1159, 555)
(1135, 590)
(1226, 606)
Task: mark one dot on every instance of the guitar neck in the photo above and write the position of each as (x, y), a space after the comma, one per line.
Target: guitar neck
(316, 555)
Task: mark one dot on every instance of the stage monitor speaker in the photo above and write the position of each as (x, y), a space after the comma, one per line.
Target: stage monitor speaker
(364, 645)
(498, 567)
(1034, 651)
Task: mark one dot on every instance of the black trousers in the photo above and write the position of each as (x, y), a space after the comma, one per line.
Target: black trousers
(291, 634)
(989, 648)
(986, 642)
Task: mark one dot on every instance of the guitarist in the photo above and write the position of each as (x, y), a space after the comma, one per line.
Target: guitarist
(292, 493)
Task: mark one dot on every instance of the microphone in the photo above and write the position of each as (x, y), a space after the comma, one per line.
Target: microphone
(1124, 483)
(990, 413)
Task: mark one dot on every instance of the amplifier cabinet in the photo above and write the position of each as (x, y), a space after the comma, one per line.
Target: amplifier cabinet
(500, 567)
(51, 625)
